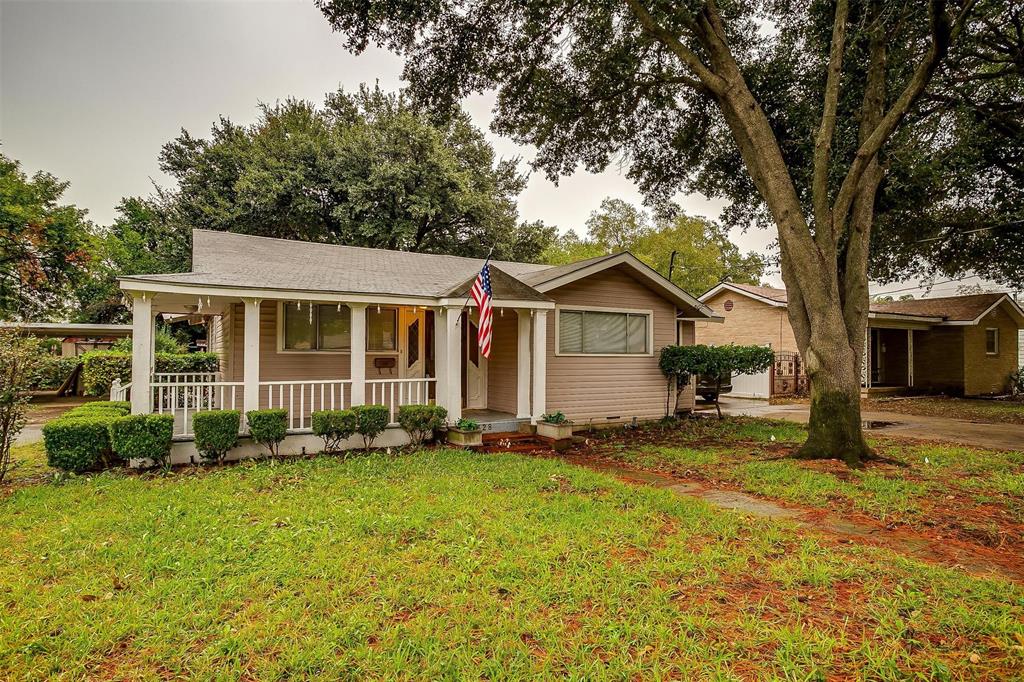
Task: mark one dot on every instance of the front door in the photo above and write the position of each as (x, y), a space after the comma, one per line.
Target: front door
(414, 343)
(474, 366)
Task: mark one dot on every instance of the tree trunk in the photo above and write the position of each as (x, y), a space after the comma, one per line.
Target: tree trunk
(834, 428)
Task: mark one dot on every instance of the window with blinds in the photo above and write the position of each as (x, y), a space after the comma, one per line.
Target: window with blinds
(602, 333)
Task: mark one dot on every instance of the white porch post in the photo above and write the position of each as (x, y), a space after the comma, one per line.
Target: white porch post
(440, 357)
(251, 356)
(910, 358)
(453, 363)
(143, 321)
(540, 364)
(523, 366)
(357, 356)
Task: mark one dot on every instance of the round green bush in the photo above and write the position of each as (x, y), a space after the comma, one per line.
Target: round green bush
(420, 421)
(143, 436)
(79, 443)
(334, 427)
(371, 420)
(268, 428)
(216, 432)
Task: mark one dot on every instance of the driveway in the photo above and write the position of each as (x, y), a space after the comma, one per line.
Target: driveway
(991, 436)
(43, 408)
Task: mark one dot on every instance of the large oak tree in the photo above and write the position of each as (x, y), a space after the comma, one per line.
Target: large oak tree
(798, 111)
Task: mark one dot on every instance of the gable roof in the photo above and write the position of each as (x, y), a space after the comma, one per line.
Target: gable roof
(769, 295)
(240, 261)
(967, 309)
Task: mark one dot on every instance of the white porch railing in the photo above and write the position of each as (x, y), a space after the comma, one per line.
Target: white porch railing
(184, 399)
(119, 391)
(397, 392)
(303, 398)
(185, 377)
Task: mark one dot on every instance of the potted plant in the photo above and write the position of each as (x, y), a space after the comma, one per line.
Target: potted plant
(466, 433)
(555, 426)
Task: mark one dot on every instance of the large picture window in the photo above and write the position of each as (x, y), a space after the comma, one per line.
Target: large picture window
(320, 327)
(593, 332)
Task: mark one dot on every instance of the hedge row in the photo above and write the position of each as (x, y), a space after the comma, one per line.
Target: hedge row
(52, 371)
(94, 435)
(101, 367)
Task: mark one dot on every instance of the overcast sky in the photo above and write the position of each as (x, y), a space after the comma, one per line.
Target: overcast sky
(91, 89)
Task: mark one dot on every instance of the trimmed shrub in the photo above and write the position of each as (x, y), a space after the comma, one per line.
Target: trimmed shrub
(420, 421)
(371, 420)
(334, 427)
(79, 443)
(101, 367)
(268, 428)
(122, 406)
(216, 432)
(143, 436)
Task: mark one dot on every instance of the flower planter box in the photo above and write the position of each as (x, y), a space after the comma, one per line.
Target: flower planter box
(466, 439)
(555, 432)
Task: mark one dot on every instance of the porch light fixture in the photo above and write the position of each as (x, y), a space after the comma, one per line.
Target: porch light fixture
(311, 312)
(200, 309)
(339, 307)
(378, 308)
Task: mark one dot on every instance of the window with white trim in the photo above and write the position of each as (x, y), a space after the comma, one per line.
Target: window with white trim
(381, 329)
(316, 327)
(592, 332)
(992, 341)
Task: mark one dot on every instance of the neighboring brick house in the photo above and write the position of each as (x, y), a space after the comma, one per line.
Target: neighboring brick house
(959, 344)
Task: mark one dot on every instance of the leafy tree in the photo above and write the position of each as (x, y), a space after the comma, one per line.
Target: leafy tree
(19, 357)
(44, 245)
(795, 112)
(365, 169)
(704, 254)
(680, 363)
(145, 238)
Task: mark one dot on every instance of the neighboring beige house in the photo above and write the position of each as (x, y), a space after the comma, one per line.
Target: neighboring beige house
(960, 344)
(310, 326)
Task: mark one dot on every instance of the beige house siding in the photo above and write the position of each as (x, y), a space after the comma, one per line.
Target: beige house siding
(989, 374)
(502, 366)
(939, 359)
(616, 388)
(687, 336)
(749, 323)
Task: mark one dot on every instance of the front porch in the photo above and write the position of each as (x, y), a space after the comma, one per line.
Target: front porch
(313, 351)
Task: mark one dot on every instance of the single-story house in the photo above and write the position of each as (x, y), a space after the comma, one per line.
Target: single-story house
(309, 326)
(958, 344)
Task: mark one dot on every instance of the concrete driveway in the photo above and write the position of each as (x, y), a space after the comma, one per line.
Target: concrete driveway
(982, 435)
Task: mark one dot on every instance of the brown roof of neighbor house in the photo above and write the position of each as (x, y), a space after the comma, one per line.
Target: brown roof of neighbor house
(764, 292)
(952, 308)
(947, 308)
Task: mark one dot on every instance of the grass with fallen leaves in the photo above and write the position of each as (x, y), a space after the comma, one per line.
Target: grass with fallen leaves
(446, 564)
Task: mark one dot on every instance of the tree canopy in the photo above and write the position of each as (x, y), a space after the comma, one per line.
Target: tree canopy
(44, 245)
(704, 254)
(364, 169)
(836, 122)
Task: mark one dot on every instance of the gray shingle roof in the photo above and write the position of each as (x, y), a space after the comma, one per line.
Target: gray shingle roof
(248, 261)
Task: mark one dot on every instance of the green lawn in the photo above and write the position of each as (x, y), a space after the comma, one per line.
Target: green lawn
(445, 564)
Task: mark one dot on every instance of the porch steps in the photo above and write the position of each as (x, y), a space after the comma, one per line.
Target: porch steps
(512, 441)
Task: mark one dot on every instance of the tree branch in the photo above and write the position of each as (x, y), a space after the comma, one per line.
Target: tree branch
(711, 80)
(942, 33)
(826, 131)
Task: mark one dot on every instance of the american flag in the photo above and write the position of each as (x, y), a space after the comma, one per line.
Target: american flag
(481, 293)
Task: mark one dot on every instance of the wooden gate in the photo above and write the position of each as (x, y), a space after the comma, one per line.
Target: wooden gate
(788, 375)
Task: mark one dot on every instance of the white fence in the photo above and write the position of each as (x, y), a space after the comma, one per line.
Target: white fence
(397, 392)
(303, 398)
(183, 395)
